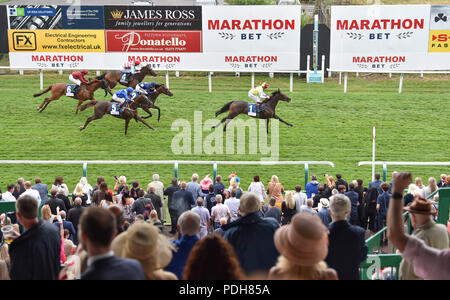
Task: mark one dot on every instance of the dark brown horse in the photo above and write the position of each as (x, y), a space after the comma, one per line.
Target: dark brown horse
(236, 108)
(113, 77)
(102, 108)
(86, 92)
(159, 89)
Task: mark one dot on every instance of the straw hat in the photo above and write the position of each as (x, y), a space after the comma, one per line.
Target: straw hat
(421, 206)
(324, 202)
(304, 241)
(143, 242)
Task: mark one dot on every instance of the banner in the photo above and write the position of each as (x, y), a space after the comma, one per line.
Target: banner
(153, 17)
(3, 30)
(35, 17)
(153, 41)
(82, 17)
(390, 38)
(56, 40)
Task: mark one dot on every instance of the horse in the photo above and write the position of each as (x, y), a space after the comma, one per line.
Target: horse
(159, 89)
(113, 77)
(102, 108)
(86, 92)
(236, 108)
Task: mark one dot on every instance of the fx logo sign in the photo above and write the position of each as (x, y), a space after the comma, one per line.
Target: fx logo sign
(24, 41)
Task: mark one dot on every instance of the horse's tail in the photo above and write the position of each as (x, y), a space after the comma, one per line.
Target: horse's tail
(101, 77)
(87, 105)
(224, 108)
(43, 92)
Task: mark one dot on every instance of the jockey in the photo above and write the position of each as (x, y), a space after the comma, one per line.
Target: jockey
(126, 95)
(146, 88)
(257, 93)
(78, 78)
(131, 67)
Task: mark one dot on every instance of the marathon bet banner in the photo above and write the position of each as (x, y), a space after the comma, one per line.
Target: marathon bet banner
(389, 38)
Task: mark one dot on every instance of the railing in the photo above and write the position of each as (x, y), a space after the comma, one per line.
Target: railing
(175, 163)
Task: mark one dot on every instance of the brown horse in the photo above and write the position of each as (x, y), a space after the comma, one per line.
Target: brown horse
(102, 108)
(236, 108)
(86, 92)
(113, 77)
(159, 89)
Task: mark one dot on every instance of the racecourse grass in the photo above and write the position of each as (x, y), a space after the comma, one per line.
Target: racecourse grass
(328, 125)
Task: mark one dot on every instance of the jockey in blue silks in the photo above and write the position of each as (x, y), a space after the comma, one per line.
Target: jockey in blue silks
(146, 88)
(124, 96)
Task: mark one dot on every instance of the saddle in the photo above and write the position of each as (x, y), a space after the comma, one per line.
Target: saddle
(115, 108)
(253, 109)
(72, 90)
(124, 77)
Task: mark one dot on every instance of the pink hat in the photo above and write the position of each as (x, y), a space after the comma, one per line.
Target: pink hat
(304, 241)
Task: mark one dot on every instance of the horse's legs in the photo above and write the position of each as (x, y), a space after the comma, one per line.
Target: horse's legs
(230, 117)
(159, 112)
(147, 110)
(127, 121)
(267, 126)
(94, 117)
(78, 106)
(137, 117)
(45, 103)
(281, 120)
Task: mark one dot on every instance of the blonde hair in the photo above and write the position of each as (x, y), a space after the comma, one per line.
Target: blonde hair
(79, 189)
(419, 183)
(290, 202)
(122, 180)
(290, 270)
(46, 212)
(432, 184)
(153, 215)
(275, 179)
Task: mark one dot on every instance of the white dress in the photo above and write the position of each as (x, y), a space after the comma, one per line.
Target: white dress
(257, 188)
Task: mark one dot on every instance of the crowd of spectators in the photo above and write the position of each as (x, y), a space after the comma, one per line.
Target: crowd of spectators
(218, 231)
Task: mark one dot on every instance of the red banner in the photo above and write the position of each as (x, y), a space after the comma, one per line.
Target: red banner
(153, 41)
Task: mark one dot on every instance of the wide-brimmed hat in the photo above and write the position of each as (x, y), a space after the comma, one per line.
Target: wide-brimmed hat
(142, 241)
(421, 206)
(304, 241)
(324, 202)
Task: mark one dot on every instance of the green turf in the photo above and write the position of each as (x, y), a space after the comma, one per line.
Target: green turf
(328, 125)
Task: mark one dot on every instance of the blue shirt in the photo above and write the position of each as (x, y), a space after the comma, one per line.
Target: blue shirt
(148, 87)
(124, 94)
(383, 201)
(184, 247)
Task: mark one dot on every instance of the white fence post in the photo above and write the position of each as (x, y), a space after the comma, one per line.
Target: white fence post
(357, 74)
(390, 75)
(167, 79)
(60, 72)
(210, 82)
(340, 78)
(421, 74)
(307, 69)
(400, 85)
(253, 80)
(177, 74)
(271, 74)
(323, 68)
(345, 82)
(97, 73)
(291, 82)
(20, 72)
(41, 79)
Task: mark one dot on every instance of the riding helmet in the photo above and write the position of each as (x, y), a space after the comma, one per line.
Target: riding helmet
(137, 62)
(84, 72)
(265, 85)
(130, 90)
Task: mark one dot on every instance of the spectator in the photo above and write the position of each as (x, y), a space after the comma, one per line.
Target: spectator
(33, 193)
(156, 201)
(79, 192)
(98, 227)
(323, 191)
(108, 201)
(219, 187)
(117, 211)
(69, 226)
(159, 190)
(308, 208)
(18, 188)
(370, 210)
(87, 190)
(100, 194)
(361, 190)
(342, 189)
(4, 254)
(442, 180)
(432, 234)
(330, 185)
(212, 258)
(347, 246)
(376, 183)
(100, 179)
(299, 197)
(311, 187)
(382, 206)
(188, 226)
(61, 186)
(135, 188)
(252, 236)
(275, 190)
(194, 187)
(169, 193)
(430, 188)
(273, 211)
(138, 206)
(64, 198)
(42, 189)
(36, 253)
(143, 242)
(126, 203)
(324, 212)
(121, 183)
(204, 218)
(46, 214)
(303, 245)
(340, 181)
(181, 201)
(353, 196)
(8, 195)
(447, 182)
(257, 187)
(205, 183)
(219, 211)
(219, 230)
(4, 271)
(394, 174)
(420, 187)
(288, 209)
(233, 205)
(428, 262)
(210, 199)
(74, 213)
(264, 208)
(54, 202)
(234, 185)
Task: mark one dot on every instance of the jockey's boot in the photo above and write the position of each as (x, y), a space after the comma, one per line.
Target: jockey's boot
(258, 107)
(76, 89)
(121, 108)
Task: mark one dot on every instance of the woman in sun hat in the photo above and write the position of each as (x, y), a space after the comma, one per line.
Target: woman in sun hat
(143, 242)
(303, 245)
